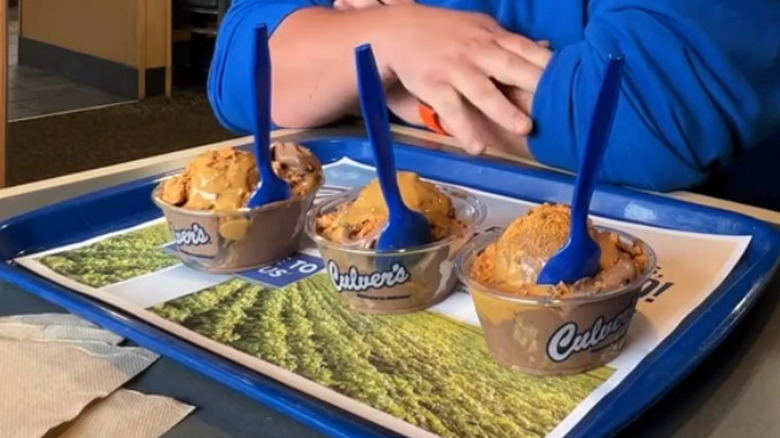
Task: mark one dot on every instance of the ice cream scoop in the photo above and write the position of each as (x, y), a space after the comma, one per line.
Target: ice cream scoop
(360, 222)
(219, 180)
(529, 242)
(222, 180)
(514, 262)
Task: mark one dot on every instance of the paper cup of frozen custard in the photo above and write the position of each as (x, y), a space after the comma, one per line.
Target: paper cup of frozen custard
(223, 242)
(372, 281)
(545, 335)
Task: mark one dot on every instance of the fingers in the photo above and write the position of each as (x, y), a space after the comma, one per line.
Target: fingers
(523, 99)
(463, 120)
(535, 53)
(403, 104)
(452, 113)
(489, 133)
(508, 67)
(483, 94)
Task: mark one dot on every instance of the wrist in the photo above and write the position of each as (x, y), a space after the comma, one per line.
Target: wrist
(383, 37)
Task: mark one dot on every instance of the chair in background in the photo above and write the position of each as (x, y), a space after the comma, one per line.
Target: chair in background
(196, 23)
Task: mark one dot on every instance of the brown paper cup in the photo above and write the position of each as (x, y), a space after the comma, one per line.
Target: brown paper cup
(543, 335)
(373, 281)
(236, 241)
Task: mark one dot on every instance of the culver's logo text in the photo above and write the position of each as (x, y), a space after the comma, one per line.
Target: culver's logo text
(195, 235)
(353, 281)
(567, 340)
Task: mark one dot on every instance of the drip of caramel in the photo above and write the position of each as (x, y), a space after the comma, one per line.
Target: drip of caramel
(417, 194)
(223, 180)
(363, 219)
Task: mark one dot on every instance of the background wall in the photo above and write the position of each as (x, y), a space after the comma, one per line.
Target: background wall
(120, 46)
(105, 29)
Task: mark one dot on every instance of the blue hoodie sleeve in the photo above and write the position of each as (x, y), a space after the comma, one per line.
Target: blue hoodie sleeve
(701, 82)
(229, 74)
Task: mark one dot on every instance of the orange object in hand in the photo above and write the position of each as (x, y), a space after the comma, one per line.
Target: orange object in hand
(430, 119)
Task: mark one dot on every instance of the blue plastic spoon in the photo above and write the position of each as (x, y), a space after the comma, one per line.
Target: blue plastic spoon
(405, 228)
(271, 188)
(580, 257)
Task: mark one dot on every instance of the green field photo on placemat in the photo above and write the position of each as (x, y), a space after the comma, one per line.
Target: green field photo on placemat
(115, 259)
(425, 368)
(428, 369)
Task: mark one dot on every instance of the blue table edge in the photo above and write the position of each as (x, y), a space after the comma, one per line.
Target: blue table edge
(635, 394)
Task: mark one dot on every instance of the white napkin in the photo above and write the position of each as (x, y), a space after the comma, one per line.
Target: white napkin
(128, 414)
(54, 327)
(53, 365)
(48, 383)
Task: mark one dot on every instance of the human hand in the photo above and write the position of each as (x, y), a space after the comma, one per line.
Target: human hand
(405, 105)
(456, 73)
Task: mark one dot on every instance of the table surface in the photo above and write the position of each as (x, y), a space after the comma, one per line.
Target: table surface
(734, 393)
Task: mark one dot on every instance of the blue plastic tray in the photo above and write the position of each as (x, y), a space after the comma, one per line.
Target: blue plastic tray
(119, 207)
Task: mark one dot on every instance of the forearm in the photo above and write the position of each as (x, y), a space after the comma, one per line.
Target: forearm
(314, 79)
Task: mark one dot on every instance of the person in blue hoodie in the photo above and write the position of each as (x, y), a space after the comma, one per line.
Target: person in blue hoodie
(701, 83)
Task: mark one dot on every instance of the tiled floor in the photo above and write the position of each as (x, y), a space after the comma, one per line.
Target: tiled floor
(34, 92)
